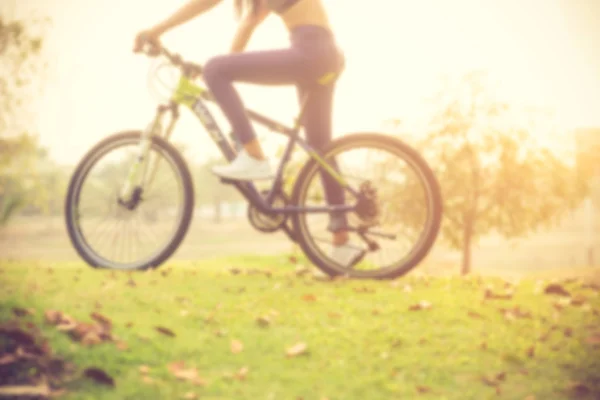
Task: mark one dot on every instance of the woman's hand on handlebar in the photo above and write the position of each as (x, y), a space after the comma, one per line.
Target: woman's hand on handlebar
(147, 37)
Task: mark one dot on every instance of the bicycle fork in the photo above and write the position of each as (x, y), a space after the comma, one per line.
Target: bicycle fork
(131, 191)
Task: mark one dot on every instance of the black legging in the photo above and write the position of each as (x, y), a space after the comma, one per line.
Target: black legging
(313, 54)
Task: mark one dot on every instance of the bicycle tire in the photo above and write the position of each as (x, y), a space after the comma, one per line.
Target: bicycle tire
(410, 155)
(79, 175)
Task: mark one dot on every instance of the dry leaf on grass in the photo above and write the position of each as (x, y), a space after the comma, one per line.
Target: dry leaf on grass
(556, 289)
(578, 388)
(28, 391)
(242, 373)
(144, 369)
(594, 339)
(422, 305)
(23, 312)
(179, 371)
(489, 294)
(474, 314)
(99, 376)
(263, 321)
(423, 389)
(309, 297)
(297, 349)
(121, 345)
(236, 346)
(165, 331)
(190, 396)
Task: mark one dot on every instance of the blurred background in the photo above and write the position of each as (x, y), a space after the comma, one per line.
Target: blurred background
(501, 97)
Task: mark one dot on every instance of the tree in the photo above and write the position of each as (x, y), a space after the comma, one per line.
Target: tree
(19, 152)
(494, 176)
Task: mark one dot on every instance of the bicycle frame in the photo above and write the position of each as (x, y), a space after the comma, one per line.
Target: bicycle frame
(194, 97)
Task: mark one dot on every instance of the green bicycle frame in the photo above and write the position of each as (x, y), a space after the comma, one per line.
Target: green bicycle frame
(194, 97)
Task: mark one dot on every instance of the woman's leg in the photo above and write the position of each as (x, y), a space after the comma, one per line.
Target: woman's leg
(277, 67)
(317, 121)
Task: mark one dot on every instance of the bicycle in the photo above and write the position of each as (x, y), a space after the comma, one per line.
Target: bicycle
(133, 179)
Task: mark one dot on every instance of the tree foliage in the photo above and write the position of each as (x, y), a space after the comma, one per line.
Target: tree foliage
(20, 153)
(495, 178)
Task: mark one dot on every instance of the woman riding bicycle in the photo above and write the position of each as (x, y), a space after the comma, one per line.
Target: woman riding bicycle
(312, 58)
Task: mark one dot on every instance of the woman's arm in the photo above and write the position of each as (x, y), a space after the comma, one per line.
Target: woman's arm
(190, 10)
(246, 28)
(242, 36)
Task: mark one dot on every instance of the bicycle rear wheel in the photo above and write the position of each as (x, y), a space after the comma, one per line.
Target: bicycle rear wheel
(93, 211)
(408, 199)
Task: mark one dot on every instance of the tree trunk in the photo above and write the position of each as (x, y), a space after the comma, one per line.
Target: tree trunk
(466, 250)
(217, 215)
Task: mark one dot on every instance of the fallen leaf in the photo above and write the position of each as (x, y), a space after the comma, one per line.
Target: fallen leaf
(102, 320)
(594, 339)
(557, 289)
(309, 297)
(263, 321)
(144, 369)
(6, 359)
(530, 397)
(578, 388)
(198, 381)
(568, 332)
(242, 373)
(578, 300)
(236, 346)
(52, 316)
(220, 333)
(301, 270)
(18, 335)
(490, 380)
(297, 349)
(22, 312)
(165, 331)
(423, 389)
(422, 305)
(91, 338)
(474, 314)
(99, 376)
(490, 294)
(190, 396)
(19, 391)
(186, 374)
(121, 345)
(531, 352)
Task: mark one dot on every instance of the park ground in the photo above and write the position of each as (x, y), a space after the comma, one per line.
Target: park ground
(261, 325)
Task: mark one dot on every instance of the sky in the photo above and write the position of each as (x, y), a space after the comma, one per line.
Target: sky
(543, 53)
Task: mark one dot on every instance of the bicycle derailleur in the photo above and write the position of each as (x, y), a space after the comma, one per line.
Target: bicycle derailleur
(367, 204)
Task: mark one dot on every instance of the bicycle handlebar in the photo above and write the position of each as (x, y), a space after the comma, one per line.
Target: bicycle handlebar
(188, 68)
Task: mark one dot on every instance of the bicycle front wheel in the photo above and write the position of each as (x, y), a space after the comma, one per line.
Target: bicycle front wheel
(142, 231)
(391, 240)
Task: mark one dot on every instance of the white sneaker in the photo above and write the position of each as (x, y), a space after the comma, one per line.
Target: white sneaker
(346, 254)
(244, 168)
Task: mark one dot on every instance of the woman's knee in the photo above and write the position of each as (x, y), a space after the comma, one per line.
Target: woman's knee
(214, 70)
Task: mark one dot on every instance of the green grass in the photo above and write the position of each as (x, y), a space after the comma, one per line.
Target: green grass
(363, 341)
